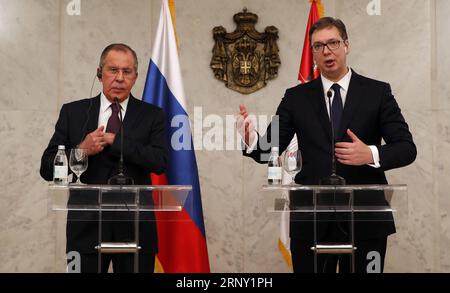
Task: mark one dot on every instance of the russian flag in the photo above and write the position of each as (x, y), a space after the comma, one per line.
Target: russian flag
(181, 235)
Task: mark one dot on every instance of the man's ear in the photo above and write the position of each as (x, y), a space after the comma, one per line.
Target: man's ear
(99, 73)
(347, 47)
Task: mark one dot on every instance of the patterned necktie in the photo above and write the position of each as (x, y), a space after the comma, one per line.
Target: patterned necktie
(113, 125)
(336, 109)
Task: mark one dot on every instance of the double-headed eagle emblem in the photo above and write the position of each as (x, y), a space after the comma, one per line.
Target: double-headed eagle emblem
(245, 59)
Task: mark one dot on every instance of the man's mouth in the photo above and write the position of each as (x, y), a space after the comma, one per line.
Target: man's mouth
(329, 62)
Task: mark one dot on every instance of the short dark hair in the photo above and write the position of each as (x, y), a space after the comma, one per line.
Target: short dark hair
(118, 47)
(328, 22)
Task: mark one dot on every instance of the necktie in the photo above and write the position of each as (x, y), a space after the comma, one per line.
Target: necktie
(113, 125)
(336, 109)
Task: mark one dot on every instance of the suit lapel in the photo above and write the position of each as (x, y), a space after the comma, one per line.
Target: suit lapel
(318, 101)
(355, 92)
(94, 111)
(132, 113)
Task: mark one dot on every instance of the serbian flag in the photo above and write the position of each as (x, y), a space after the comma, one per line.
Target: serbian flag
(181, 235)
(306, 73)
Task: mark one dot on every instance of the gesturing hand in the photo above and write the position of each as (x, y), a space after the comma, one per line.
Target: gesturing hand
(94, 142)
(355, 153)
(244, 125)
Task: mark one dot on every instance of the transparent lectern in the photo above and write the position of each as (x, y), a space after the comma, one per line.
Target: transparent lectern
(354, 211)
(109, 219)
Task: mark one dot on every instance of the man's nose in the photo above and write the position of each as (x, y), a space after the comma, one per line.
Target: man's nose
(326, 50)
(119, 76)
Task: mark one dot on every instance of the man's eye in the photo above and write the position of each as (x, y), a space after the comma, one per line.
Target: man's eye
(317, 46)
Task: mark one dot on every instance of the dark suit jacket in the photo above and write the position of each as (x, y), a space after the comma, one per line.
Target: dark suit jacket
(370, 111)
(145, 151)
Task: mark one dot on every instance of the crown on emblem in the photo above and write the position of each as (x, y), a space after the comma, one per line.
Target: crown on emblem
(245, 17)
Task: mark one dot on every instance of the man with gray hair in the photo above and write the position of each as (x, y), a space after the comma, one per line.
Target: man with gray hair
(94, 125)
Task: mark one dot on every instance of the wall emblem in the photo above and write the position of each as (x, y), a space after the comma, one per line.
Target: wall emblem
(245, 59)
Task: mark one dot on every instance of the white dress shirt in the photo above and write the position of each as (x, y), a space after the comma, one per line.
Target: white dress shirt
(344, 84)
(327, 84)
(106, 111)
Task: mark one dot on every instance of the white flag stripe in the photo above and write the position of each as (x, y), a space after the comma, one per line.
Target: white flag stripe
(284, 221)
(166, 44)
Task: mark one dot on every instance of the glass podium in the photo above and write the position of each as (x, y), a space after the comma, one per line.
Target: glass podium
(96, 220)
(354, 211)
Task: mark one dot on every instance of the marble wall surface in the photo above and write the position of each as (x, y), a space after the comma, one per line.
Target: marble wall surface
(394, 48)
(440, 110)
(29, 50)
(50, 58)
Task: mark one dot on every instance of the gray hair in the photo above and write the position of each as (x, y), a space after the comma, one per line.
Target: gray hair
(118, 47)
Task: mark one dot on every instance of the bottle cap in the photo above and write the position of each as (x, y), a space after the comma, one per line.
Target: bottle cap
(61, 147)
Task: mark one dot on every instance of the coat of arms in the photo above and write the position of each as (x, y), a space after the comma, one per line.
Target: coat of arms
(245, 59)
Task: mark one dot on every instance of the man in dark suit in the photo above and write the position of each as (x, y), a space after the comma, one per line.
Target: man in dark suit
(145, 150)
(364, 112)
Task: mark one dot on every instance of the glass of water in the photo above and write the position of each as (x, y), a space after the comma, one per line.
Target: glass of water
(78, 162)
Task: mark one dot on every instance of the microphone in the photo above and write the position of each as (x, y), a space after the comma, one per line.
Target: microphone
(120, 178)
(333, 179)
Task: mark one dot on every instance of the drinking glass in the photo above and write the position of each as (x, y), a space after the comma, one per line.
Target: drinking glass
(292, 163)
(78, 162)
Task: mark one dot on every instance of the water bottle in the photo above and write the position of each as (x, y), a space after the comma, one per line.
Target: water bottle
(274, 170)
(60, 167)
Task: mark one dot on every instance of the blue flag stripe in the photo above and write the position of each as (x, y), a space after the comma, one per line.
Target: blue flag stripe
(182, 167)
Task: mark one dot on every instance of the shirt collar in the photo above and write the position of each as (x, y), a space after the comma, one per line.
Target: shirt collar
(343, 83)
(105, 103)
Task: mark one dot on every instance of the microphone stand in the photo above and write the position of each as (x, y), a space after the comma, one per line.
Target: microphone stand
(333, 179)
(120, 178)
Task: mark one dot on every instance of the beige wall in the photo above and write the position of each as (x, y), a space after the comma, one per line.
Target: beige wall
(49, 58)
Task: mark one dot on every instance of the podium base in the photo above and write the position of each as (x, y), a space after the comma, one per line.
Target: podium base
(117, 247)
(332, 180)
(120, 179)
(333, 248)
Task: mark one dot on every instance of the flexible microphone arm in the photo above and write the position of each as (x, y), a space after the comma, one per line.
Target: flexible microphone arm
(120, 178)
(333, 157)
(333, 179)
(116, 100)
